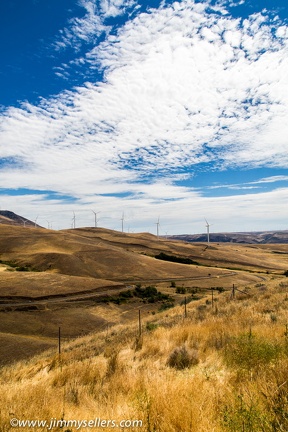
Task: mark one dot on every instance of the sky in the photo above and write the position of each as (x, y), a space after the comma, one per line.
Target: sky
(145, 111)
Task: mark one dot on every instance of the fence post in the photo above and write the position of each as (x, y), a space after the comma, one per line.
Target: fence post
(59, 347)
(185, 307)
(140, 327)
(59, 341)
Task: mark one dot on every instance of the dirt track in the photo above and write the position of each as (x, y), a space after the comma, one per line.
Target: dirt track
(94, 295)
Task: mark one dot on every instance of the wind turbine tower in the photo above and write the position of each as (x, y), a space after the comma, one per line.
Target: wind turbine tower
(74, 220)
(208, 232)
(157, 225)
(96, 219)
(122, 220)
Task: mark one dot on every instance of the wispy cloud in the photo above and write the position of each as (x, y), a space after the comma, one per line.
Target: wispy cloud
(252, 184)
(81, 30)
(183, 86)
(113, 8)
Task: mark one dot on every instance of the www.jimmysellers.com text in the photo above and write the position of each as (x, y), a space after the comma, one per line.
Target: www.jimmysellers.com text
(78, 424)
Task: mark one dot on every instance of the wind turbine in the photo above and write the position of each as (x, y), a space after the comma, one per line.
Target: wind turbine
(208, 231)
(96, 220)
(35, 223)
(122, 220)
(157, 225)
(74, 220)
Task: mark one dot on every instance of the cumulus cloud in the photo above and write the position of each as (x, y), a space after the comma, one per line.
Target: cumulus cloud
(184, 85)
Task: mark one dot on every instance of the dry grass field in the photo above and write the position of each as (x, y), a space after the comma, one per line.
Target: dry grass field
(222, 368)
(50, 279)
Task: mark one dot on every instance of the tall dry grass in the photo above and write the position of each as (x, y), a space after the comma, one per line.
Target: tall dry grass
(114, 376)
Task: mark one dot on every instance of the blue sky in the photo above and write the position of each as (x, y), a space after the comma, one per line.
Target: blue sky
(176, 110)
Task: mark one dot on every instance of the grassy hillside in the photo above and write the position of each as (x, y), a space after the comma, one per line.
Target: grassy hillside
(222, 368)
(84, 279)
(111, 255)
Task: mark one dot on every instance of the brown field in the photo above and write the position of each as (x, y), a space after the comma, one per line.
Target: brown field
(50, 279)
(223, 368)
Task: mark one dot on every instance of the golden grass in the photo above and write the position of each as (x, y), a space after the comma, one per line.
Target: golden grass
(109, 375)
(74, 261)
(90, 252)
(37, 285)
(115, 374)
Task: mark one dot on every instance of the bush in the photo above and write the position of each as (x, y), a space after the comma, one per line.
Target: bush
(149, 291)
(22, 269)
(167, 305)
(150, 326)
(151, 294)
(181, 290)
(182, 358)
(172, 258)
(249, 352)
(243, 416)
(126, 294)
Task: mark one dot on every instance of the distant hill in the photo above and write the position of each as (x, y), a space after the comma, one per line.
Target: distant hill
(261, 237)
(106, 254)
(9, 218)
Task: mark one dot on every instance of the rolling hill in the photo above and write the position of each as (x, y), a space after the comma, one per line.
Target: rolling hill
(74, 278)
(261, 237)
(10, 218)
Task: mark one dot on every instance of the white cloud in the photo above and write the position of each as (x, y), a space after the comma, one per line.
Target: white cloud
(81, 30)
(182, 86)
(250, 212)
(113, 8)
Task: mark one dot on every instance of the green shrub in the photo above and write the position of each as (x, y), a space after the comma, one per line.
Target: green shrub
(151, 294)
(249, 352)
(150, 326)
(172, 258)
(166, 305)
(181, 290)
(126, 294)
(22, 269)
(243, 416)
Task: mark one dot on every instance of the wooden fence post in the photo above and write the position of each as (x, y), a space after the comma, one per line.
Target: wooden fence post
(59, 341)
(233, 291)
(59, 347)
(185, 307)
(140, 327)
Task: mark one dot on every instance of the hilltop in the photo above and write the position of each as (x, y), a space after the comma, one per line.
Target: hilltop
(261, 237)
(10, 218)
